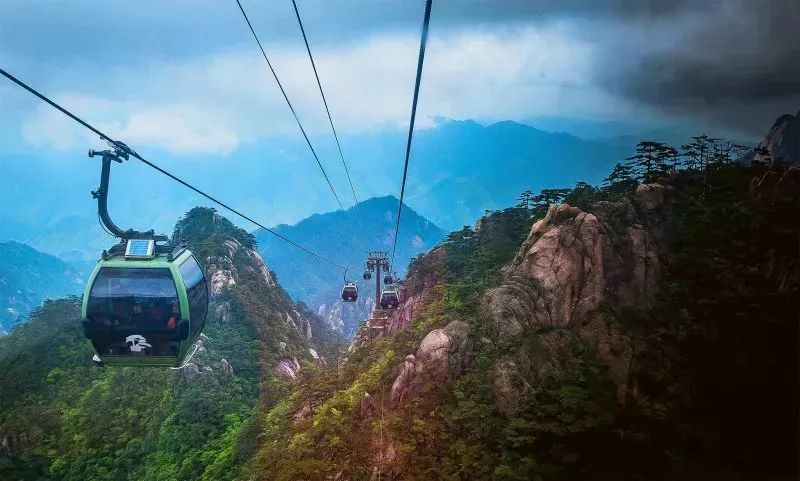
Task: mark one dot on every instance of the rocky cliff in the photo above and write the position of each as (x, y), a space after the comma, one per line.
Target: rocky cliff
(570, 266)
(629, 331)
(783, 139)
(240, 282)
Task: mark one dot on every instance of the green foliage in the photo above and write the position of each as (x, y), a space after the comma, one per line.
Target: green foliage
(473, 259)
(204, 223)
(68, 420)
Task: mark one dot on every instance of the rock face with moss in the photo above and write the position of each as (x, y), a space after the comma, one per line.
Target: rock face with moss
(570, 266)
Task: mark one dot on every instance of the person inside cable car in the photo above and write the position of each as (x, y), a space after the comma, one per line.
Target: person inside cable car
(175, 313)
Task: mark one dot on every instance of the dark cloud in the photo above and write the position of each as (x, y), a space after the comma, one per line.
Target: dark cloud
(739, 66)
(735, 63)
(136, 31)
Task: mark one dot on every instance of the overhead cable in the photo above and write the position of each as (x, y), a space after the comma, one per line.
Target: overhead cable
(172, 176)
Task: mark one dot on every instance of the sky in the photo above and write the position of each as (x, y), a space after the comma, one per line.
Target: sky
(183, 83)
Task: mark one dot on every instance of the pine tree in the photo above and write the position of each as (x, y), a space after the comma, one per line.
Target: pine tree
(695, 153)
(650, 158)
(525, 200)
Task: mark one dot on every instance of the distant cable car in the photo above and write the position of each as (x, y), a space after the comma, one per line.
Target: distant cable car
(146, 301)
(367, 274)
(350, 292)
(389, 298)
(388, 279)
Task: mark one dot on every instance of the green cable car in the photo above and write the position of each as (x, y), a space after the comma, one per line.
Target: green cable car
(145, 310)
(146, 301)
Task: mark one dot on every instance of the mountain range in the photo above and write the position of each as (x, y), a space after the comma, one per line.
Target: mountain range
(27, 277)
(457, 170)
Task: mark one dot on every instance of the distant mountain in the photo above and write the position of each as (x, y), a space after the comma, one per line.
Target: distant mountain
(27, 277)
(344, 237)
(461, 168)
(453, 164)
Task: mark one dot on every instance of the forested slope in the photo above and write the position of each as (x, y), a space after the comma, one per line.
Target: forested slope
(62, 418)
(643, 329)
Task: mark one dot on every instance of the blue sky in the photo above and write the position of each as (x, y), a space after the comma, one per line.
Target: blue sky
(183, 83)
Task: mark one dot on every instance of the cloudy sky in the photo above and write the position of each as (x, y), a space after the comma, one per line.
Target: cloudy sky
(184, 78)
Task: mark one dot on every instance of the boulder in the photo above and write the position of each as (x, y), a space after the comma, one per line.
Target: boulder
(224, 312)
(190, 372)
(430, 363)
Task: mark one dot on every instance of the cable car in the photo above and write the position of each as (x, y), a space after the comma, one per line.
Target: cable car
(144, 306)
(388, 279)
(389, 298)
(146, 301)
(350, 292)
(367, 274)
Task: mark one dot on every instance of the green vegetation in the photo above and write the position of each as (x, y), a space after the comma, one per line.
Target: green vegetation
(65, 419)
(712, 392)
(719, 337)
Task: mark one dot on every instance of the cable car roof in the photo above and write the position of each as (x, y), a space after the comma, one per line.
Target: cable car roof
(158, 260)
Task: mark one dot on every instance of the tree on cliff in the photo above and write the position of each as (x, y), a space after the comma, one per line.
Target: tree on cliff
(651, 159)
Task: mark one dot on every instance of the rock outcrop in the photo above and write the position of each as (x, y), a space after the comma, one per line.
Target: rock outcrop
(571, 264)
(783, 139)
(225, 367)
(287, 367)
(367, 407)
(431, 362)
(223, 272)
(777, 186)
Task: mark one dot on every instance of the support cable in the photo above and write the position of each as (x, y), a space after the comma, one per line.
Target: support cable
(172, 176)
(420, 61)
(324, 100)
(289, 103)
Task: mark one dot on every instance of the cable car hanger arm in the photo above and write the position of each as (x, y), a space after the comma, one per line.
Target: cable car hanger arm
(101, 194)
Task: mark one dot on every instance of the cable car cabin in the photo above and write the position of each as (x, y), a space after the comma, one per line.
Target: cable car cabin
(367, 275)
(144, 304)
(350, 292)
(389, 298)
(388, 279)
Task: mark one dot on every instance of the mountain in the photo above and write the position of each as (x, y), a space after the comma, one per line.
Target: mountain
(27, 277)
(458, 169)
(472, 167)
(346, 238)
(629, 332)
(63, 419)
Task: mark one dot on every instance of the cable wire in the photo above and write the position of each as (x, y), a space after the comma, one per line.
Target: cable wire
(133, 153)
(360, 229)
(324, 100)
(288, 102)
(423, 41)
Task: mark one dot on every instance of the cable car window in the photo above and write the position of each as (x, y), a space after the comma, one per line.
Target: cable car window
(196, 291)
(134, 298)
(191, 272)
